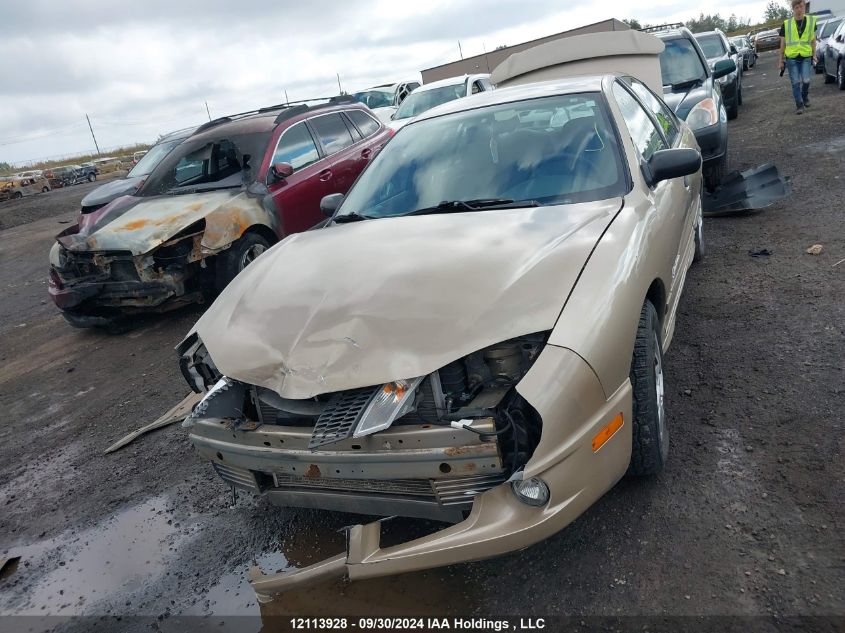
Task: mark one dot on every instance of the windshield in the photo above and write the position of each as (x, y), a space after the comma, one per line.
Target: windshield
(680, 63)
(420, 101)
(554, 150)
(712, 45)
(207, 163)
(830, 27)
(738, 42)
(375, 98)
(152, 158)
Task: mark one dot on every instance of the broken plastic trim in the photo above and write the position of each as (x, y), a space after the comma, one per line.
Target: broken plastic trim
(749, 190)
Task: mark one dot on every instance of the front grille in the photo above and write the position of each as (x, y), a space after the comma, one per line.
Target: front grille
(399, 487)
(239, 477)
(338, 419)
(446, 492)
(452, 492)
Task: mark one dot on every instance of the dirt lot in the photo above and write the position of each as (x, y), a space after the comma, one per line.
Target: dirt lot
(747, 519)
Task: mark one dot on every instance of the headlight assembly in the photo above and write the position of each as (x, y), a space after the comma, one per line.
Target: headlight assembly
(703, 114)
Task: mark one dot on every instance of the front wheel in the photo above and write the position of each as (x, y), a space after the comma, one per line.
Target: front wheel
(91, 178)
(241, 254)
(714, 173)
(45, 189)
(733, 108)
(17, 195)
(840, 74)
(650, 448)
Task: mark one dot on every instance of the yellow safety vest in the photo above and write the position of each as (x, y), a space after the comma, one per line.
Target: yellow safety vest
(799, 45)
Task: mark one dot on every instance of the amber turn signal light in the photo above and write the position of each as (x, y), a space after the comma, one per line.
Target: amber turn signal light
(607, 432)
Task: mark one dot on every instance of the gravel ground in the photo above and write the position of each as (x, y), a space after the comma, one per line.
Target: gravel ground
(747, 518)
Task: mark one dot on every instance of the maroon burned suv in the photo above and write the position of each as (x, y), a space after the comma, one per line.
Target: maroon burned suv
(227, 193)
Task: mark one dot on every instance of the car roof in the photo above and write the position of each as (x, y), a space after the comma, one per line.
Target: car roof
(570, 85)
(450, 81)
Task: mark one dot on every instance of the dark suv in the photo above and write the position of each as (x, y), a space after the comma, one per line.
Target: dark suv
(217, 201)
(691, 88)
(717, 47)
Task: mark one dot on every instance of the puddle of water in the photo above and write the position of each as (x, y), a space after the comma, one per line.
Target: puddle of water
(75, 572)
(829, 146)
(232, 593)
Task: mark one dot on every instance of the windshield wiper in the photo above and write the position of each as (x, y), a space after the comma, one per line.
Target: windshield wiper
(179, 191)
(349, 217)
(687, 83)
(458, 206)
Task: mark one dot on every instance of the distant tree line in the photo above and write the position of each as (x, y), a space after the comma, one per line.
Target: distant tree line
(774, 11)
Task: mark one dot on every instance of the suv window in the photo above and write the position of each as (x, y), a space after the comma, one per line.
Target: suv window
(829, 28)
(297, 147)
(332, 132)
(364, 122)
(680, 62)
(712, 45)
(665, 117)
(644, 133)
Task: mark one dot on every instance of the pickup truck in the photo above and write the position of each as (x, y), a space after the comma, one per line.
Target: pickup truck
(71, 175)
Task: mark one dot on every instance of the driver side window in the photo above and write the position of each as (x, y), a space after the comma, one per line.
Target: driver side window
(296, 147)
(645, 135)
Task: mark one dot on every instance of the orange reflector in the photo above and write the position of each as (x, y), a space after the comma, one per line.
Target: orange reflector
(607, 432)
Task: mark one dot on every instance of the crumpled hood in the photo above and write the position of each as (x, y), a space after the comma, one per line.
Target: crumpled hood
(141, 224)
(378, 300)
(112, 190)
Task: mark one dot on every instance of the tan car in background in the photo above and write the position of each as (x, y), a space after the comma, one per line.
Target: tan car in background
(14, 188)
(477, 336)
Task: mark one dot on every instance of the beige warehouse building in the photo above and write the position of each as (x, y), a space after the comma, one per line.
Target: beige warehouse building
(485, 63)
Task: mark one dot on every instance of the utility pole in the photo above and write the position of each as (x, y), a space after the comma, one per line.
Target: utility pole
(460, 52)
(339, 89)
(287, 101)
(207, 111)
(92, 134)
(486, 59)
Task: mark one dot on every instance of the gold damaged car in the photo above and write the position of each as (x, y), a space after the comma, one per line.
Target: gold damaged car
(476, 336)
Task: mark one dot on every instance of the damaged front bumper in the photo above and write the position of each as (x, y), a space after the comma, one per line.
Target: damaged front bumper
(475, 490)
(93, 287)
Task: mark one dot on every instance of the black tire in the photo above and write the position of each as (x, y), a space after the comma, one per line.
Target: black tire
(242, 252)
(745, 64)
(91, 177)
(45, 189)
(17, 195)
(650, 446)
(827, 78)
(714, 173)
(739, 96)
(840, 74)
(733, 108)
(700, 249)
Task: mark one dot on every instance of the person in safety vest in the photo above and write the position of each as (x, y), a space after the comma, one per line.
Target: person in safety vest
(798, 52)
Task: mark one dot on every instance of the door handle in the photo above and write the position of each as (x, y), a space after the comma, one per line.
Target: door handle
(366, 153)
(686, 182)
(325, 175)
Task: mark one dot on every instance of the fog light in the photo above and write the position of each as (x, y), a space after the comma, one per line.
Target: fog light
(533, 491)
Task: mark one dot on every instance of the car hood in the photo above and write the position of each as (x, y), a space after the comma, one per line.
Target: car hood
(683, 100)
(112, 190)
(384, 114)
(139, 225)
(373, 301)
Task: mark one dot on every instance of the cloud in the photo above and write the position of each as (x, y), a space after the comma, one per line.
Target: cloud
(142, 69)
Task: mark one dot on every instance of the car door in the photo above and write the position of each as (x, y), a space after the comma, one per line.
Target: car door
(342, 144)
(297, 197)
(670, 198)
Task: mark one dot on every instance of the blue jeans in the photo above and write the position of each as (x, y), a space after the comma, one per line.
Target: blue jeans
(799, 75)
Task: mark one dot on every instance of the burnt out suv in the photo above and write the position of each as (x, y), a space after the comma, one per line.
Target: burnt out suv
(217, 201)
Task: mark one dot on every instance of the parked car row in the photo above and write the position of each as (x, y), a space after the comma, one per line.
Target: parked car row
(833, 57)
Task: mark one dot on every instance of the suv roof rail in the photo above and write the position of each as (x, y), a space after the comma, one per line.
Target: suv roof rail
(662, 27)
(288, 109)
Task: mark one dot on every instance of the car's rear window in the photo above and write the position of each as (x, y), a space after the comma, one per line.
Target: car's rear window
(680, 62)
(830, 28)
(553, 150)
(712, 45)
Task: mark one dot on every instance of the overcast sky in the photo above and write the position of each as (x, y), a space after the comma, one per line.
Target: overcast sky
(140, 69)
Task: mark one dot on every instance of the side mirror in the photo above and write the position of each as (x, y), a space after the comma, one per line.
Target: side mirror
(330, 203)
(281, 170)
(723, 68)
(666, 164)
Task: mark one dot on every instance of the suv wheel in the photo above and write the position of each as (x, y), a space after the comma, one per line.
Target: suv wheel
(739, 96)
(17, 195)
(840, 74)
(241, 254)
(650, 447)
(733, 108)
(92, 177)
(714, 173)
(827, 78)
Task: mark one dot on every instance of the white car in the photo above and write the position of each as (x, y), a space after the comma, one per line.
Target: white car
(385, 98)
(436, 93)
